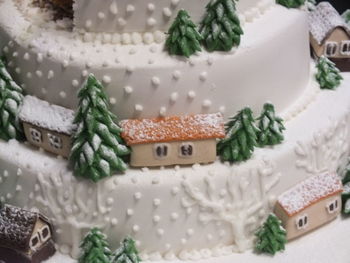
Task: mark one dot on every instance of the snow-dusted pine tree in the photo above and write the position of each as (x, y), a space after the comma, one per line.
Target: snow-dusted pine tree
(271, 237)
(271, 127)
(346, 16)
(220, 26)
(95, 248)
(241, 137)
(97, 144)
(11, 98)
(183, 37)
(126, 253)
(291, 3)
(328, 75)
(346, 192)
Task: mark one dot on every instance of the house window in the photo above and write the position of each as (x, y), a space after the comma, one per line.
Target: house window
(35, 135)
(333, 206)
(331, 49)
(161, 150)
(55, 141)
(44, 233)
(34, 242)
(186, 149)
(302, 222)
(345, 48)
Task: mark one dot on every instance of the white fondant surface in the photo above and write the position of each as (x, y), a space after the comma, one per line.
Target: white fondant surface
(182, 212)
(271, 64)
(143, 15)
(178, 212)
(327, 244)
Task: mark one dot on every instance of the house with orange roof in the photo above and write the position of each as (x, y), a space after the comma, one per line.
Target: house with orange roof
(173, 140)
(310, 204)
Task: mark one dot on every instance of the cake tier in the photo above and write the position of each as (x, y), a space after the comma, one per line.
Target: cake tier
(143, 15)
(185, 212)
(315, 248)
(144, 81)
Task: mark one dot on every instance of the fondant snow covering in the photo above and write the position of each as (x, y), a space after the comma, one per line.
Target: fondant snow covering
(309, 192)
(174, 128)
(42, 114)
(16, 227)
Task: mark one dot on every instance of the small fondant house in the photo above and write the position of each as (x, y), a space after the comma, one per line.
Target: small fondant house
(330, 35)
(173, 140)
(47, 126)
(309, 204)
(25, 237)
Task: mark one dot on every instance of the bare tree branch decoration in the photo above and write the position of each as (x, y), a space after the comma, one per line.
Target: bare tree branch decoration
(73, 205)
(325, 152)
(244, 208)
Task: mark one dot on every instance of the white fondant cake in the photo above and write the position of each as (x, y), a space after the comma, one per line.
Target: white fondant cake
(144, 81)
(186, 213)
(144, 16)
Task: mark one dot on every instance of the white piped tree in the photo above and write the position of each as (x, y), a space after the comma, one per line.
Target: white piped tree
(244, 208)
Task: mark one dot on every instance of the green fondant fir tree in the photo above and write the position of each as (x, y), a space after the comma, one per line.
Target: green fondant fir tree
(97, 145)
(291, 3)
(183, 38)
(328, 75)
(346, 192)
(271, 237)
(271, 127)
(346, 16)
(95, 248)
(241, 137)
(126, 253)
(11, 98)
(220, 26)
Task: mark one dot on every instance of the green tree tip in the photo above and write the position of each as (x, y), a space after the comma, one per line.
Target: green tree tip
(270, 127)
(328, 75)
(126, 253)
(291, 3)
(271, 236)
(183, 37)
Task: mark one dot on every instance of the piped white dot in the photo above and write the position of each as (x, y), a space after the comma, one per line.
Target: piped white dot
(75, 83)
(112, 101)
(128, 90)
(155, 81)
(173, 97)
(138, 108)
(106, 79)
(135, 228)
(156, 202)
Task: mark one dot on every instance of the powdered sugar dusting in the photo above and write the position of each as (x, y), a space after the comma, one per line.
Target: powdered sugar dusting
(323, 20)
(309, 192)
(44, 115)
(16, 227)
(176, 128)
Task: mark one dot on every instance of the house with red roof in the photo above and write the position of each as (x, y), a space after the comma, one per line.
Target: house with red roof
(173, 140)
(310, 204)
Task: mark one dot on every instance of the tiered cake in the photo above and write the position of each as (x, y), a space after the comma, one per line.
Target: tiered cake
(184, 212)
